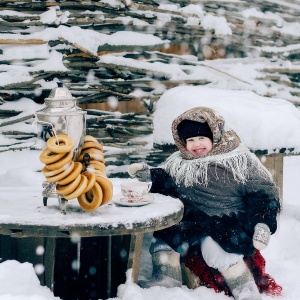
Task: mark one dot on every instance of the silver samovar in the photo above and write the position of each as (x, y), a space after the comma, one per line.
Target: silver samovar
(60, 116)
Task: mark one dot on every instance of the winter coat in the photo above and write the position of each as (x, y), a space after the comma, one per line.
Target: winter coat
(224, 194)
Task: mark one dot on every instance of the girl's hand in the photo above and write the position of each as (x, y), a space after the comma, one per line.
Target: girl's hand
(134, 168)
(141, 171)
(261, 236)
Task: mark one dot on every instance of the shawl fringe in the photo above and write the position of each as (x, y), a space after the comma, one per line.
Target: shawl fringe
(240, 161)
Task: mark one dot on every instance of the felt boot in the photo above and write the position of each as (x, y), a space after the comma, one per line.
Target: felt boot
(166, 266)
(241, 282)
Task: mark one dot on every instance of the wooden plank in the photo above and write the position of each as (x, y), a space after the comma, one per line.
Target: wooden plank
(274, 163)
(49, 262)
(23, 42)
(66, 284)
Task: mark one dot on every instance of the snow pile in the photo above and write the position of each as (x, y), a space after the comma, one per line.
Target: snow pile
(262, 123)
(19, 282)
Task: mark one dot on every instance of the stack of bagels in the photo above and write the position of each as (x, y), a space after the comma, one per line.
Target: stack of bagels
(73, 180)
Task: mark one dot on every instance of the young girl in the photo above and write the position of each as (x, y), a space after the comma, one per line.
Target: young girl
(231, 203)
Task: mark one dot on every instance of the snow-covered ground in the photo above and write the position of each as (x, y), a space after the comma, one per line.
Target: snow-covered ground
(19, 282)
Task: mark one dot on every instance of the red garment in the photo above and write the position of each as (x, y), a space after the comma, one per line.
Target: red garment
(212, 278)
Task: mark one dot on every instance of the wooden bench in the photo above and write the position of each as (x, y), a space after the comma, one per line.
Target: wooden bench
(274, 162)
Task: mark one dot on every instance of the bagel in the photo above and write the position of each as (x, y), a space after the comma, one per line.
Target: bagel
(49, 157)
(93, 201)
(76, 171)
(95, 154)
(94, 145)
(91, 176)
(89, 138)
(97, 165)
(60, 163)
(62, 175)
(47, 172)
(106, 186)
(79, 189)
(89, 194)
(60, 143)
(69, 188)
(100, 173)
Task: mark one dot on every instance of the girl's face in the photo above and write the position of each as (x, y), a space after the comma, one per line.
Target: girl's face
(199, 145)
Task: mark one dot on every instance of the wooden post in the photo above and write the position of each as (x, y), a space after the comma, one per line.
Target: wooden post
(274, 163)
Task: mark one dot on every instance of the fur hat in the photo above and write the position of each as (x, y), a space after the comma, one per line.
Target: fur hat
(187, 129)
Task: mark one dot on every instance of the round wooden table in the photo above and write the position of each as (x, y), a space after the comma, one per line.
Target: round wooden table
(84, 254)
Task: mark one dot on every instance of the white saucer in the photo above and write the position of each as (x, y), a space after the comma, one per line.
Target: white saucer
(124, 202)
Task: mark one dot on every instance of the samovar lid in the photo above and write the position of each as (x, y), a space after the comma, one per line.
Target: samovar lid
(60, 93)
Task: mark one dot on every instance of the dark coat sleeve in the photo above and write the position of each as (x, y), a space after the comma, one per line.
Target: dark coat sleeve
(262, 203)
(187, 231)
(162, 183)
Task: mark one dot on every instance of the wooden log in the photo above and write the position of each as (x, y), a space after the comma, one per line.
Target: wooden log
(169, 83)
(81, 48)
(128, 130)
(281, 51)
(128, 67)
(281, 70)
(99, 112)
(128, 48)
(5, 113)
(17, 133)
(121, 121)
(22, 42)
(16, 120)
(108, 92)
(20, 18)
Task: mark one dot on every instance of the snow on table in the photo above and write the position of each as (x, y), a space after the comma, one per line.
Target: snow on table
(22, 208)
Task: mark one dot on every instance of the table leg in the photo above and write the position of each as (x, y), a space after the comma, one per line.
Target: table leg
(135, 252)
(49, 261)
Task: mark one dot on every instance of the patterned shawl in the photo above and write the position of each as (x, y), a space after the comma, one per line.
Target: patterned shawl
(223, 140)
(227, 151)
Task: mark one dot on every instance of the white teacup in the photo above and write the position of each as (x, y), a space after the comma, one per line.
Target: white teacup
(135, 191)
